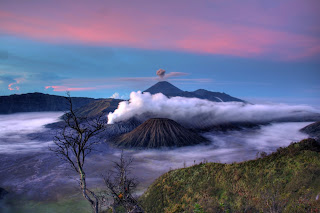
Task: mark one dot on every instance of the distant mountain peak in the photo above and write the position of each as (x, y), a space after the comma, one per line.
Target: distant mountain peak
(165, 88)
(170, 90)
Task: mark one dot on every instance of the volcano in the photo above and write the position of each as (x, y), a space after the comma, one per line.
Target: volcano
(170, 90)
(165, 88)
(159, 132)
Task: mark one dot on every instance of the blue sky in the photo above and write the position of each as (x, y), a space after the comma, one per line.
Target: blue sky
(244, 62)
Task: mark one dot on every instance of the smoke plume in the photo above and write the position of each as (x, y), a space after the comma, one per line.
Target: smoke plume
(199, 113)
(161, 73)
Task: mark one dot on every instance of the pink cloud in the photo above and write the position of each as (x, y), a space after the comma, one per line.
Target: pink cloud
(81, 85)
(285, 31)
(104, 83)
(64, 88)
(11, 86)
(175, 74)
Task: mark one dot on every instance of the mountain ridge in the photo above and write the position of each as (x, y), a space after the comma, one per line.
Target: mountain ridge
(170, 90)
(39, 102)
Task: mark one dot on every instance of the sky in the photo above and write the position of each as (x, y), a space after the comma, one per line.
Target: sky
(260, 51)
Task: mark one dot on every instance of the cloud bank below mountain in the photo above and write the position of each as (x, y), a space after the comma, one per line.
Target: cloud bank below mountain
(198, 113)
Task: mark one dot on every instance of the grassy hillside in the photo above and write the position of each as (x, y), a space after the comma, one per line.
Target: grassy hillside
(285, 181)
(96, 107)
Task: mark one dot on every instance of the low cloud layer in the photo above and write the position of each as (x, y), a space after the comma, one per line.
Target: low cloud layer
(194, 112)
(16, 127)
(40, 174)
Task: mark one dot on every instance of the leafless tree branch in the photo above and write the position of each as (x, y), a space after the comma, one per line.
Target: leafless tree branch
(74, 142)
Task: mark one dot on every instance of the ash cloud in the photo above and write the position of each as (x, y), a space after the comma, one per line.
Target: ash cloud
(198, 113)
(161, 73)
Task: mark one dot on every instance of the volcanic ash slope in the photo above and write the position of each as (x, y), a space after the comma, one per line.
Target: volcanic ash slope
(159, 132)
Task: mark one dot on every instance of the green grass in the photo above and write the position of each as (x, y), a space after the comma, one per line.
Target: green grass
(70, 205)
(288, 180)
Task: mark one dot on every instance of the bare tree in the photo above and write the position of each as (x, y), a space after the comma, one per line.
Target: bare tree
(74, 143)
(120, 186)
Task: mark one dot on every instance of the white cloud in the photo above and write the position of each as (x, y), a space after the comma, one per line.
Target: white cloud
(115, 95)
(194, 112)
(15, 128)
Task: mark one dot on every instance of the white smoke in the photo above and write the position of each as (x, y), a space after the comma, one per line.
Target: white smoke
(194, 112)
(115, 95)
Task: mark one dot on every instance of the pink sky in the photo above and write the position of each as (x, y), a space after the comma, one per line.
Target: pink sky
(287, 30)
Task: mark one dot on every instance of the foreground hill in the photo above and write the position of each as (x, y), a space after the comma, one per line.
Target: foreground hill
(38, 102)
(170, 90)
(285, 181)
(159, 132)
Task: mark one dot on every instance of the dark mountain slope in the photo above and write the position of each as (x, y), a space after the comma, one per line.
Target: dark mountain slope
(313, 130)
(159, 132)
(285, 181)
(215, 96)
(96, 107)
(165, 88)
(38, 102)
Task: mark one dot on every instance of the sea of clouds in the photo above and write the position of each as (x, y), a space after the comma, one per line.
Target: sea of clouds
(30, 167)
(16, 127)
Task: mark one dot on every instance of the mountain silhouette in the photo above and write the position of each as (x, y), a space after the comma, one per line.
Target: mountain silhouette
(165, 88)
(39, 102)
(170, 90)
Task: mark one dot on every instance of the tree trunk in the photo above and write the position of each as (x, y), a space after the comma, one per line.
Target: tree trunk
(83, 185)
(114, 208)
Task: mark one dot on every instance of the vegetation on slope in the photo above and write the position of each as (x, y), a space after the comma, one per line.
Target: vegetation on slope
(97, 107)
(285, 181)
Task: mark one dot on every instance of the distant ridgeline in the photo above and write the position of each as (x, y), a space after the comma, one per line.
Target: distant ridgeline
(39, 102)
(170, 90)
